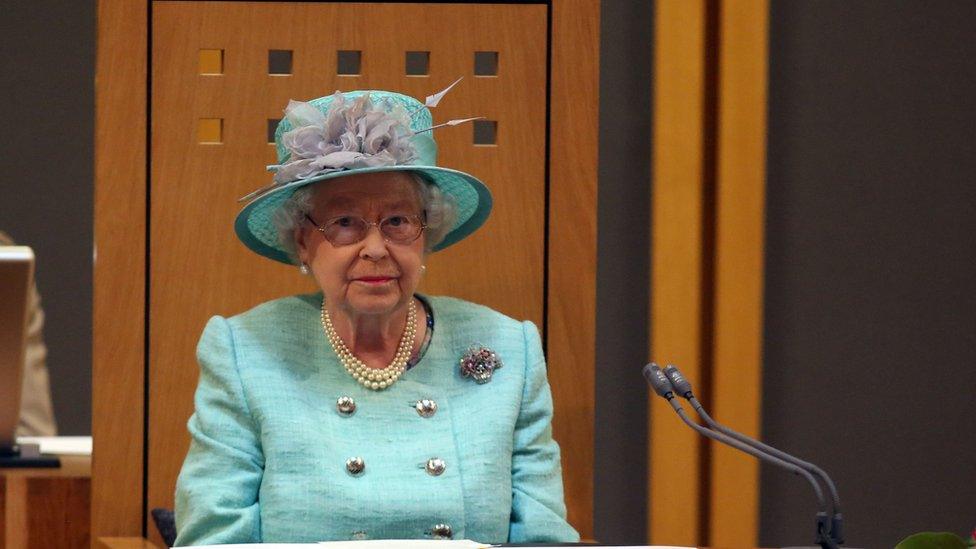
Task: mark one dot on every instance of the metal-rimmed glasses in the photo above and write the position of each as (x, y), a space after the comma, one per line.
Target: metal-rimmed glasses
(344, 230)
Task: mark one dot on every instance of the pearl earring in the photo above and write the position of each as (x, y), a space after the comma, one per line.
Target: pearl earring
(303, 269)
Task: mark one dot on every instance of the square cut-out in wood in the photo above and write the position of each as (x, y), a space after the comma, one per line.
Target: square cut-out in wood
(279, 62)
(485, 132)
(486, 63)
(417, 63)
(348, 62)
(272, 127)
(210, 130)
(211, 62)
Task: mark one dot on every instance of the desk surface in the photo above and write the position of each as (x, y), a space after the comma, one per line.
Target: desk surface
(125, 543)
(71, 467)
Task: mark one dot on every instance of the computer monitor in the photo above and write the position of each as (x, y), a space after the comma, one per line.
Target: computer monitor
(16, 282)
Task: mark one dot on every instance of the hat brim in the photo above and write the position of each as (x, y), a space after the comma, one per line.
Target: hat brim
(255, 227)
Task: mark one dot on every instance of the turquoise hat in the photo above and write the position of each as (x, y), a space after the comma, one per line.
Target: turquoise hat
(353, 133)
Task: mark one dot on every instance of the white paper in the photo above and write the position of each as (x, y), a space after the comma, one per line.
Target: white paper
(254, 545)
(404, 544)
(364, 544)
(62, 446)
(398, 544)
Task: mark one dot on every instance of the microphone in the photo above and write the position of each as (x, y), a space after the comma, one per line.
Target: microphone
(664, 388)
(683, 388)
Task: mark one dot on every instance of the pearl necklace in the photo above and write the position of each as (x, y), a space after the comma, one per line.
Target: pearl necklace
(374, 378)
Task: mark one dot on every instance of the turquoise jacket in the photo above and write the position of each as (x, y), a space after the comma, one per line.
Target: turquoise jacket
(267, 461)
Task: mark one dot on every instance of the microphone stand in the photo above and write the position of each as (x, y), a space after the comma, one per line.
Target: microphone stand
(683, 387)
(665, 389)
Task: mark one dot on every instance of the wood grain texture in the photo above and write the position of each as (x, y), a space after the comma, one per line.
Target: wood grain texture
(58, 512)
(3, 512)
(573, 161)
(197, 263)
(15, 513)
(119, 267)
(675, 485)
(740, 217)
(41, 508)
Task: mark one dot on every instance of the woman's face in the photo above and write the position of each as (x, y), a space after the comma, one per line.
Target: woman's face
(372, 276)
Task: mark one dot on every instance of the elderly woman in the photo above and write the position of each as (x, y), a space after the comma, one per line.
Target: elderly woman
(368, 411)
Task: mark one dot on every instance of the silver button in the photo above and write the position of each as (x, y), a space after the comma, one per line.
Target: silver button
(346, 405)
(442, 531)
(355, 465)
(435, 466)
(426, 407)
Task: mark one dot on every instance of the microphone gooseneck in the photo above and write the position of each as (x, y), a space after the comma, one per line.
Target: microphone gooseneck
(683, 388)
(666, 388)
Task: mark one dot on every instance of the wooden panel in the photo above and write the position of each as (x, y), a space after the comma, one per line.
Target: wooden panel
(58, 512)
(46, 507)
(194, 186)
(572, 245)
(119, 275)
(15, 513)
(741, 162)
(117, 373)
(676, 261)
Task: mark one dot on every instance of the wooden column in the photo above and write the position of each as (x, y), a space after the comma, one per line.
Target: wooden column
(571, 290)
(118, 334)
(736, 393)
(707, 261)
(677, 261)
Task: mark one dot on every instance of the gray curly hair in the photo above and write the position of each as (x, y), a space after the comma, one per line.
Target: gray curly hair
(440, 208)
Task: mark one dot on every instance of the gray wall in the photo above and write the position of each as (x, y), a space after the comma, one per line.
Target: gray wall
(620, 477)
(47, 113)
(870, 340)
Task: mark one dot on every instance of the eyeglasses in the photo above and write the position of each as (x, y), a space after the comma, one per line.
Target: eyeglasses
(348, 229)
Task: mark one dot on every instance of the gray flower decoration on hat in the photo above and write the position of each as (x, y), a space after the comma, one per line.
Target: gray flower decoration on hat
(479, 362)
(354, 134)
